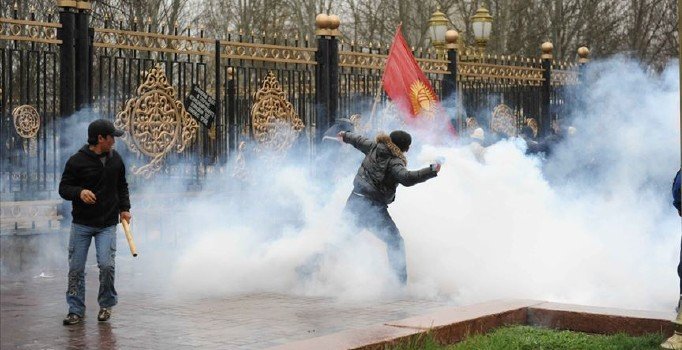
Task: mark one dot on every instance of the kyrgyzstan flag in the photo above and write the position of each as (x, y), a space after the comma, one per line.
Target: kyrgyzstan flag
(405, 83)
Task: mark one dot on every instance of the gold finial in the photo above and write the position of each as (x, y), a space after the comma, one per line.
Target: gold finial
(583, 54)
(16, 6)
(322, 21)
(451, 37)
(149, 20)
(334, 22)
(547, 48)
(176, 24)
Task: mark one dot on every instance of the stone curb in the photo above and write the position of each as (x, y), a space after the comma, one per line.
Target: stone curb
(454, 324)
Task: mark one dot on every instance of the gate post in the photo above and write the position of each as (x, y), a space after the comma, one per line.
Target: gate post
(450, 99)
(450, 80)
(231, 115)
(219, 146)
(583, 54)
(322, 22)
(67, 74)
(82, 55)
(333, 70)
(545, 113)
(326, 73)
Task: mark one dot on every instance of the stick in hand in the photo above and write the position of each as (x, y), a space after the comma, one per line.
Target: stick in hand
(129, 237)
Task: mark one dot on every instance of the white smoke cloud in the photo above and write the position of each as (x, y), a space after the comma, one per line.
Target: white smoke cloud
(592, 224)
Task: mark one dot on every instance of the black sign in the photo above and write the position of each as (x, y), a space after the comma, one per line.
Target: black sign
(201, 106)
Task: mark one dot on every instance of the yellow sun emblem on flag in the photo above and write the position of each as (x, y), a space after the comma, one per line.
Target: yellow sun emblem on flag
(423, 100)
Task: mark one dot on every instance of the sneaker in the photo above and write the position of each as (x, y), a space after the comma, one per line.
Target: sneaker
(72, 319)
(104, 314)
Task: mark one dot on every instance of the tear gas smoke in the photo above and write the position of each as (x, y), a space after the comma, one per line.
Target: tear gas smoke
(590, 224)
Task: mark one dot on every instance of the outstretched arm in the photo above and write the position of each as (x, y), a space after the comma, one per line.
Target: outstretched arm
(358, 141)
(409, 178)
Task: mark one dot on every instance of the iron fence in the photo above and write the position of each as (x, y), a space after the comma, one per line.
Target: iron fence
(309, 82)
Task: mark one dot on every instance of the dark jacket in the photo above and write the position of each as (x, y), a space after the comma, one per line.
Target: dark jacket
(676, 191)
(84, 170)
(383, 168)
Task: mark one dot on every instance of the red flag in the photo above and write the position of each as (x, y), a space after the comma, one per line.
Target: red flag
(404, 81)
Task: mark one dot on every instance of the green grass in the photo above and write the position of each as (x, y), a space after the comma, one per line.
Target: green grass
(534, 338)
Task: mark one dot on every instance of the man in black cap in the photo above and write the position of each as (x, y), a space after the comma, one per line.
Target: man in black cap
(374, 186)
(94, 181)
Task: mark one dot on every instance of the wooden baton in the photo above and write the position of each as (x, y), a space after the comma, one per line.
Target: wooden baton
(129, 237)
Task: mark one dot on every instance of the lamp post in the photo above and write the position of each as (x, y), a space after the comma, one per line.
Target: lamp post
(482, 23)
(438, 25)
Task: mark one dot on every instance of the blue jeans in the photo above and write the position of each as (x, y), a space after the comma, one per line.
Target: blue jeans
(79, 243)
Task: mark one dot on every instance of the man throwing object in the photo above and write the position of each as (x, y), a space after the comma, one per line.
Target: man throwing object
(374, 186)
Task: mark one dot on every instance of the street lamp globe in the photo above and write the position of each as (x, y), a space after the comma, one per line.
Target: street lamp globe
(482, 23)
(438, 25)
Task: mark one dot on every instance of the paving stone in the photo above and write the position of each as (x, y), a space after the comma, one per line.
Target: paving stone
(31, 311)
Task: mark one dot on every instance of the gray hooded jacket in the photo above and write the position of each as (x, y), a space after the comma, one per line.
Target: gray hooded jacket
(383, 168)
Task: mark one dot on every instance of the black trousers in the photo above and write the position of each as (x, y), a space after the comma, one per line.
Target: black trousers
(373, 216)
(679, 268)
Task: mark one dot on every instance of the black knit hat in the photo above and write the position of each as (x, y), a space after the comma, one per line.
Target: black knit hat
(101, 127)
(401, 139)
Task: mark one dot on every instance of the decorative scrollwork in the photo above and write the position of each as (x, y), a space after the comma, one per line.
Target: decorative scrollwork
(564, 77)
(26, 121)
(156, 122)
(133, 40)
(365, 60)
(31, 31)
(275, 123)
(515, 75)
(267, 52)
(503, 120)
(361, 60)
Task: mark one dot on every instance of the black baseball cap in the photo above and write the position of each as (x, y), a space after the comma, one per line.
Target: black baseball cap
(102, 127)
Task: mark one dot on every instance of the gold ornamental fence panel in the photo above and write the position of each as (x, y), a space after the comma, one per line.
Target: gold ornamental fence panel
(29, 30)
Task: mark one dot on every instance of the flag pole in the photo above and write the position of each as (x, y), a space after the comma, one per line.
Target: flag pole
(377, 98)
(377, 95)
